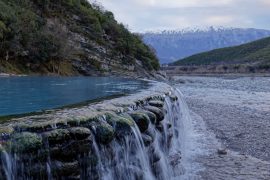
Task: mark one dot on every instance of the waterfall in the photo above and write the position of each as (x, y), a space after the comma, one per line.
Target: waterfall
(161, 152)
(7, 165)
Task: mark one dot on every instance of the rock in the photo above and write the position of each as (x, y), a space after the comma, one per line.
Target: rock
(141, 119)
(60, 169)
(173, 97)
(154, 155)
(147, 139)
(156, 103)
(72, 150)
(82, 120)
(104, 133)
(79, 133)
(25, 142)
(160, 128)
(37, 171)
(168, 125)
(158, 112)
(151, 133)
(222, 151)
(152, 116)
(57, 136)
(33, 127)
(121, 124)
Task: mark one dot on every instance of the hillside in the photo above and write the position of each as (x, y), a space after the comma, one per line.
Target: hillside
(68, 37)
(254, 53)
(173, 45)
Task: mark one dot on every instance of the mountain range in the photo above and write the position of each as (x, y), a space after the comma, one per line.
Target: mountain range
(174, 45)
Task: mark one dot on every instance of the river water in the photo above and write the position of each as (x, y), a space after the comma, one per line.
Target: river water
(33, 93)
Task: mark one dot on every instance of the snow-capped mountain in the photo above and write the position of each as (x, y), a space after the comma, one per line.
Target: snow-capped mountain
(174, 45)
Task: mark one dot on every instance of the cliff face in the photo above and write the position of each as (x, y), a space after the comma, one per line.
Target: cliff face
(175, 45)
(69, 37)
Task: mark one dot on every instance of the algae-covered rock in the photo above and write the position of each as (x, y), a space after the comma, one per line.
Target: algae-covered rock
(79, 133)
(152, 116)
(25, 142)
(156, 103)
(141, 119)
(6, 130)
(104, 132)
(81, 120)
(60, 169)
(33, 127)
(158, 112)
(57, 136)
(121, 124)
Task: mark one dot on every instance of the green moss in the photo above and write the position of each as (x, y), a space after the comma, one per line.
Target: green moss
(79, 133)
(57, 136)
(121, 124)
(25, 142)
(152, 116)
(104, 133)
(6, 130)
(142, 120)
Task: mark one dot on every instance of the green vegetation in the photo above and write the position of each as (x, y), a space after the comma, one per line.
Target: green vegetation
(256, 54)
(35, 35)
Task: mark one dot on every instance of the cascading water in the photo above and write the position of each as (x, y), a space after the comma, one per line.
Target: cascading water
(155, 153)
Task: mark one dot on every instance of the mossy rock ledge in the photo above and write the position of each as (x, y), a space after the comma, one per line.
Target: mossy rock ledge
(71, 139)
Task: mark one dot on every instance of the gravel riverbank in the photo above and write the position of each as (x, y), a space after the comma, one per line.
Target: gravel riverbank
(236, 115)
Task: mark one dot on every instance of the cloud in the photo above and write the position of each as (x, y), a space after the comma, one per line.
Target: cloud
(266, 2)
(143, 15)
(219, 20)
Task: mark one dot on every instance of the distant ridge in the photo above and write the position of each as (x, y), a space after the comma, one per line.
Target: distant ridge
(256, 53)
(172, 45)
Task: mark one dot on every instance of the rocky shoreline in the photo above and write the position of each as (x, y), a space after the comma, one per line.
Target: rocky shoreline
(235, 111)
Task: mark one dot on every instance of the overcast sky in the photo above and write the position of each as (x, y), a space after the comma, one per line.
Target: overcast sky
(145, 15)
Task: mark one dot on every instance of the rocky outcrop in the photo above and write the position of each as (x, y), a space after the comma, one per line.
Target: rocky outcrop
(81, 143)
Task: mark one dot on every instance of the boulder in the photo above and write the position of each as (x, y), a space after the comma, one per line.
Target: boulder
(79, 133)
(57, 136)
(152, 116)
(156, 103)
(70, 151)
(158, 112)
(141, 119)
(61, 169)
(173, 97)
(121, 124)
(104, 132)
